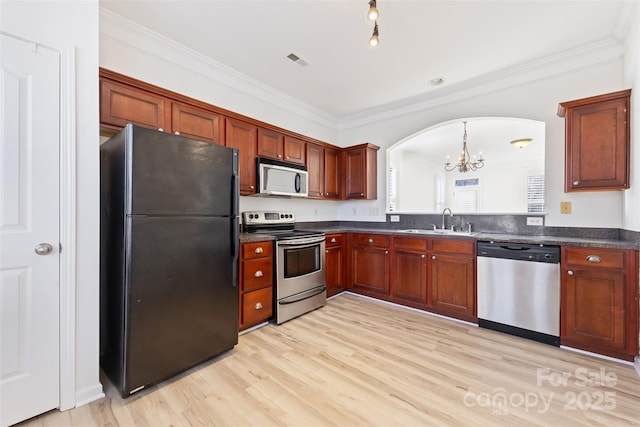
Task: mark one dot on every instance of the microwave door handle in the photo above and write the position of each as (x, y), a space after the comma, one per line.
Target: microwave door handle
(297, 182)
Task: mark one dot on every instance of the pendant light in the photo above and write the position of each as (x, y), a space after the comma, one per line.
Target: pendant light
(373, 11)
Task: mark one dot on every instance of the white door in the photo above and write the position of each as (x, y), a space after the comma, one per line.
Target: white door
(29, 230)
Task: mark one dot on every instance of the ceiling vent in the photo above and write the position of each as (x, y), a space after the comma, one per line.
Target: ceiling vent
(298, 60)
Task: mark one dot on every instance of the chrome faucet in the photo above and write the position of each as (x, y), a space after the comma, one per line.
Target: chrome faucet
(443, 213)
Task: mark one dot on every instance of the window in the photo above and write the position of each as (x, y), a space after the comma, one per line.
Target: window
(535, 193)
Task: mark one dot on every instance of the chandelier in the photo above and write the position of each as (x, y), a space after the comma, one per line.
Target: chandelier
(464, 160)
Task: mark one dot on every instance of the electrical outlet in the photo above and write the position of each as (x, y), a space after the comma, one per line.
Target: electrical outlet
(315, 212)
(354, 211)
(535, 220)
(394, 218)
(565, 207)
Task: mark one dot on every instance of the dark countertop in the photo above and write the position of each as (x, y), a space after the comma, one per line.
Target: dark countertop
(253, 237)
(508, 238)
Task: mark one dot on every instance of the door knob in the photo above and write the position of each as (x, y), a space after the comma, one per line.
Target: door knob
(43, 249)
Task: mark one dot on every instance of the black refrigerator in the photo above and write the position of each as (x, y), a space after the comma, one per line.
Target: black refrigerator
(169, 254)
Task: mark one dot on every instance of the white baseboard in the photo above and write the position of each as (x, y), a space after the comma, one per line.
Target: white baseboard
(417, 310)
(89, 395)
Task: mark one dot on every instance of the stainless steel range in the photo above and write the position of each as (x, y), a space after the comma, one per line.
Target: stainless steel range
(300, 284)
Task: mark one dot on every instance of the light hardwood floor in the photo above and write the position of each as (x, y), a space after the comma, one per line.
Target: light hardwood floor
(358, 362)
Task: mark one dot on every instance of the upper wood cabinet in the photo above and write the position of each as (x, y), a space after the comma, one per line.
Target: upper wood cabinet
(360, 167)
(315, 168)
(332, 176)
(121, 104)
(294, 150)
(323, 165)
(597, 135)
(270, 144)
(197, 123)
(599, 302)
(244, 137)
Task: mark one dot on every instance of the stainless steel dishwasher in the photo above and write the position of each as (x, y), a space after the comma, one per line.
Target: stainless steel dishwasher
(519, 290)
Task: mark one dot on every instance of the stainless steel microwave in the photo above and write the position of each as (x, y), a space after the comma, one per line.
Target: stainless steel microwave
(277, 178)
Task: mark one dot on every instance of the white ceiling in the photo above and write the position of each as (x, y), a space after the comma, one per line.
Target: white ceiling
(458, 41)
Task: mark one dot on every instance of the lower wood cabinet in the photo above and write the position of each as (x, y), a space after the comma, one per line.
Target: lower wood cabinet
(599, 302)
(334, 263)
(409, 279)
(370, 264)
(453, 278)
(256, 283)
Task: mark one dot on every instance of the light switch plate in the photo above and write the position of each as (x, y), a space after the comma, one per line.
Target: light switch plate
(565, 207)
(394, 218)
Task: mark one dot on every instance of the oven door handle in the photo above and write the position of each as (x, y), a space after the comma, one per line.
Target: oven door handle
(303, 295)
(301, 241)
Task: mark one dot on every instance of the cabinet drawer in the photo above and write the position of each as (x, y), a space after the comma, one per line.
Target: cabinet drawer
(595, 257)
(414, 243)
(257, 249)
(455, 246)
(334, 240)
(257, 306)
(257, 273)
(378, 240)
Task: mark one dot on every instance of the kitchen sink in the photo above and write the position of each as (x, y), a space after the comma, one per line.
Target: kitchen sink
(440, 232)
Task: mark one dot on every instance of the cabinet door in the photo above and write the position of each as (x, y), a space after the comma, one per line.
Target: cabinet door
(197, 123)
(294, 150)
(334, 264)
(355, 174)
(243, 136)
(593, 309)
(409, 276)
(360, 166)
(597, 143)
(256, 307)
(453, 285)
(371, 270)
(331, 173)
(315, 168)
(270, 144)
(121, 104)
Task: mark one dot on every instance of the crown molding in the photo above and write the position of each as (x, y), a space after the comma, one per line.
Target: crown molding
(115, 27)
(571, 60)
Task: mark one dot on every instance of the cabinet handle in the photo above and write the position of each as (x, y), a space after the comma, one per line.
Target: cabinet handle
(333, 240)
(258, 306)
(576, 182)
(593, 258)
(177, 133)
(326, 251)
(433, 257)
(258, 273)
(423, 256)
(252, 187)
(259, 250)
(370, 240)
(362, 194)
(287, 157)
(161, 130)
(279, 156)
(570, 272)
(386, 252)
